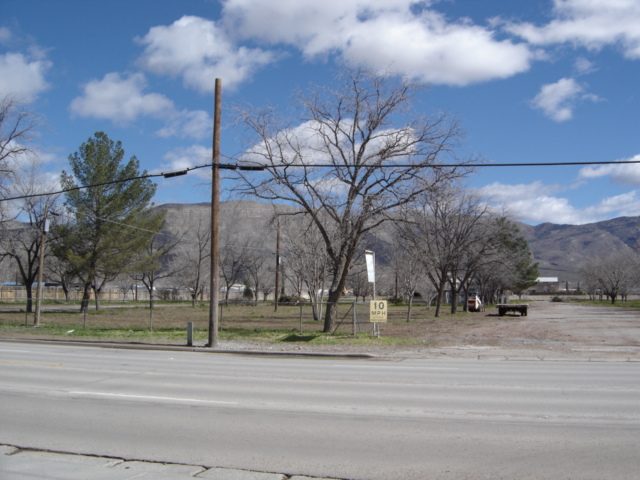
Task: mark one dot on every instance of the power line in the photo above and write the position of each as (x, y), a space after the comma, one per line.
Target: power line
(262, 167)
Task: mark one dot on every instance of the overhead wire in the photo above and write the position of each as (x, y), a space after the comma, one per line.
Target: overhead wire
(261, 167)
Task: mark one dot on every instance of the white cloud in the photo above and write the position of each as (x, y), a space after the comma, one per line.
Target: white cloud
(592, 24)
(198, 50)
(23, 77)
(292, 145)
(123, 99)
(629, 174)
(400, 37)
(187, 157)
(536, 203)
(194, 124)
(558, 100)
(305, 144)
(623, 205)
(119, 99)
(584, 66)
(531, 203)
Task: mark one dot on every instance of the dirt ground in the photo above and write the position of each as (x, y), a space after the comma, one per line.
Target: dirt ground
(549, 330)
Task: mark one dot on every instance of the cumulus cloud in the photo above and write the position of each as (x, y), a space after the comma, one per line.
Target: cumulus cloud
(123, 99)
(584, 66)
(198, 50)
(120, 99)
(187, 124)
(537, 202)
(187, 157)
(592, 24)
(558, 100)
(23, 77)
(402, 37)
(629, 174)
(533, 203)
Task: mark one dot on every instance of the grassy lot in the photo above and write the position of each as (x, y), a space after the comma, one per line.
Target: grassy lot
(633, 304)
(247, 323)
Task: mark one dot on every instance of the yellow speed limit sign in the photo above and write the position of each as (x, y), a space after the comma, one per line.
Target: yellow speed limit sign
(378, 311)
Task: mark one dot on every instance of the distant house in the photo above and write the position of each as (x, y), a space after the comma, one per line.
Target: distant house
(546, 285)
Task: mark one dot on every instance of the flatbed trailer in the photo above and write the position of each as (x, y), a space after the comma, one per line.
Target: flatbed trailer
(521, 308)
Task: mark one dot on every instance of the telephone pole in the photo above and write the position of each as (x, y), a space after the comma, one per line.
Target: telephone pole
(276, 292)
(214, 281)
(39, 290)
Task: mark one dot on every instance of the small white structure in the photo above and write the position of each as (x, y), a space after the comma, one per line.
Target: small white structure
(546, 285)
(474, 304)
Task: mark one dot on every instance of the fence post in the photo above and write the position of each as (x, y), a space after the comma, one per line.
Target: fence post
(189, 334)
(300, 318)
(355, 319)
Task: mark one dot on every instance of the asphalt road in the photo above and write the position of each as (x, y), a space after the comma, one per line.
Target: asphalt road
(356, 419)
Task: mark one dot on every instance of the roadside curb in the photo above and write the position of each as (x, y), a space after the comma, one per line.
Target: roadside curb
(178, 348)
(480, 354)
(25, 462)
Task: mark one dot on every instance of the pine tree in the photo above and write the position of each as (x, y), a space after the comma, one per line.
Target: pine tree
(111, 219)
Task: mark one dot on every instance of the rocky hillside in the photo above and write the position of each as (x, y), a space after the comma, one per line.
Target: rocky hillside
(561, 250)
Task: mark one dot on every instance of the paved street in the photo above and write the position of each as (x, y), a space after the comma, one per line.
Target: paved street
(357, 419)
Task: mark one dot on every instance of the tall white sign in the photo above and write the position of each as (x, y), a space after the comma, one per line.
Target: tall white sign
(370, 258)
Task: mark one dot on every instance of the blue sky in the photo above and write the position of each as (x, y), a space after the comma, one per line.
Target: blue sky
(528, 81)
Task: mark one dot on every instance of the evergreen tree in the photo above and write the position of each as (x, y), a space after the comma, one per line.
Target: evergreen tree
(112, 222)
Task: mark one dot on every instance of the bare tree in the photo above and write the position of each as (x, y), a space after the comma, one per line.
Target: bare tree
(192, 259)
(15, 128)
(22, 239)
(460, 243)
(154, 264)
(615, 275)
(232, 264)
(371, 167)
(409, 271)
(307, 260)
(255, 267)
(359, 281)
(425, 237)
(445, 232)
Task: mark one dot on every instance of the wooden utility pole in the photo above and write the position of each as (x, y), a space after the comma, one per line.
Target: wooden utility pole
(214, 281)
(39, 289)
(276, 291)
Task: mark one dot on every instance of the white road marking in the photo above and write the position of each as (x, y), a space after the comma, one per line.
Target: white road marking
(130, 396)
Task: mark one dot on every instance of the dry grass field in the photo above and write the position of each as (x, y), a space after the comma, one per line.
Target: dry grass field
(550, 326)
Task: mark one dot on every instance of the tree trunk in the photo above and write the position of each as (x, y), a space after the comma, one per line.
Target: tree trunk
(96, 292)
(84, 304)
(454, 297)
(439, 293)
(409, 308)
(314, 306)
(331, 311)
(29, 290)
(439, 299)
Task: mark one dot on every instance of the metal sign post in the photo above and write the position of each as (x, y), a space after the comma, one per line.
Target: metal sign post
(375, 315)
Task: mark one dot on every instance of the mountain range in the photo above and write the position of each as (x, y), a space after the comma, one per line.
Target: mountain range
(560, 250)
